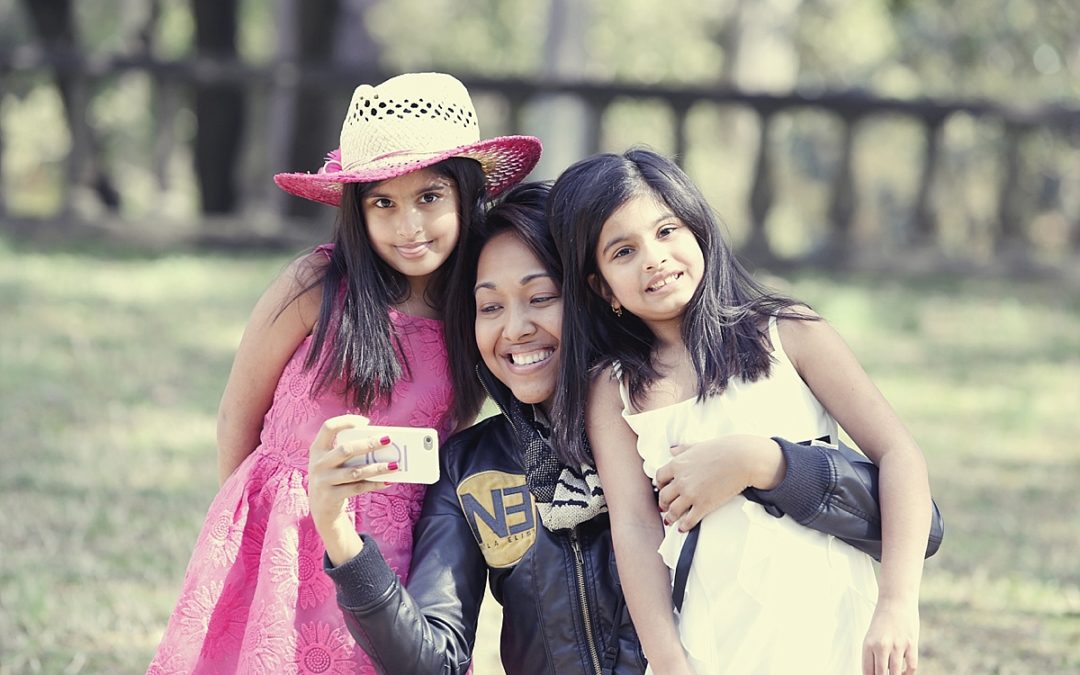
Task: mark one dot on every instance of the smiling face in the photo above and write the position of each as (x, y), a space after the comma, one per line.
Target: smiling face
(519, 312)
(650, 262)
(412, 221)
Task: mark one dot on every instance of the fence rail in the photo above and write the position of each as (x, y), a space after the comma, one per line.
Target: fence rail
(81, 73)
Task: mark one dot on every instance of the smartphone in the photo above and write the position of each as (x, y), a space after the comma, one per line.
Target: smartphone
(415, 449)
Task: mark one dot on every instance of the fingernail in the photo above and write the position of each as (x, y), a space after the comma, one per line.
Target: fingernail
(392, 466)
(385, 440)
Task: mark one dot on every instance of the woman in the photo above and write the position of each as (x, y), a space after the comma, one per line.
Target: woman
(506, 511)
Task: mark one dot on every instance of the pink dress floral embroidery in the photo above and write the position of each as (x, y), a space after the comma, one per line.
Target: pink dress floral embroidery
(255, 598)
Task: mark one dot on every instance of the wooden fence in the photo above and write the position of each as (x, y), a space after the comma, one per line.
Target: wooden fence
(1014, 215)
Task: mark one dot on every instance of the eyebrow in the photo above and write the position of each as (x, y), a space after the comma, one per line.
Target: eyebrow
(434, 185)
(524, 281)
(667, 215)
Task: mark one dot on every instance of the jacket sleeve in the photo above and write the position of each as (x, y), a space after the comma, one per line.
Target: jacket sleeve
(834, 489)
(430, 626)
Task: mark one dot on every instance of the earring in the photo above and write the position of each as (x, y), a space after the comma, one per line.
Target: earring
(617, 309)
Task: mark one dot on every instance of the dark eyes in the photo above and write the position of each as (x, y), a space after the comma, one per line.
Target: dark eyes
(425, 198)
(664, 232)
(492, 307)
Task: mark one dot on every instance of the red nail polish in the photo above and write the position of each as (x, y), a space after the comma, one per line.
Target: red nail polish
(385, 440)
(392, 466)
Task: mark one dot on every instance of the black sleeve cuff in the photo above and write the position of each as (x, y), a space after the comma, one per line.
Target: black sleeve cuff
(807, 481)
(364, 580)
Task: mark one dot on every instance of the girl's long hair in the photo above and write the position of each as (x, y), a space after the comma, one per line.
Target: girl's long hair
(522, 213)
(359, 288)
(721, 326)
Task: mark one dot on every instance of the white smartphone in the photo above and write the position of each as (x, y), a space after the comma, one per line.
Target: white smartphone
(415, 449)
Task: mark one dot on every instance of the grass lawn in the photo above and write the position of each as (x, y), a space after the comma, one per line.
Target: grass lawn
(111, 366)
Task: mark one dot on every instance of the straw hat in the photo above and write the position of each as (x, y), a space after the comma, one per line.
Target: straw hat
(408, 123)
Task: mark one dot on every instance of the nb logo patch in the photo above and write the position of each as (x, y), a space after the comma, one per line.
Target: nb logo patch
(500, 511)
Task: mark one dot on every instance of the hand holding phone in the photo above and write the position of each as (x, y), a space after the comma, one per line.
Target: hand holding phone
(415, 449)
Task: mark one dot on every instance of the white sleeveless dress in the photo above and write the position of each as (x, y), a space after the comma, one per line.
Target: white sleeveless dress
(765, 595)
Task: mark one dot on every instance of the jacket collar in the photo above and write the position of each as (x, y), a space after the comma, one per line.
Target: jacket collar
(500, 393)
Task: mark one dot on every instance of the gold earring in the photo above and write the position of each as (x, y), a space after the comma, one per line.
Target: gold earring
(618, 310)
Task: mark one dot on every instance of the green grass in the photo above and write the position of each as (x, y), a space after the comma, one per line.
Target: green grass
(111, 365)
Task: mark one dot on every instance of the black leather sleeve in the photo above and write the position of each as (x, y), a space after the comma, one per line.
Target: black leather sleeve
(429, 627)
(834, 489)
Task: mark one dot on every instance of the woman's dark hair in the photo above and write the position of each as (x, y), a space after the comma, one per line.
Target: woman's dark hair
(359, 288)
(521, 212)
(721, 327)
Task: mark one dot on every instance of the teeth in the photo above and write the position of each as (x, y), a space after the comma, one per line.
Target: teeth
(530, 358)
(665, 281)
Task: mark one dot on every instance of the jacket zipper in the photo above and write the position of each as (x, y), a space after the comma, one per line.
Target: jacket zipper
(579, 568)
(579, 563)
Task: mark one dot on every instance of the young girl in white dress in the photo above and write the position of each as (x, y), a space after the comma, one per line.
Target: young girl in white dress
(688, 353)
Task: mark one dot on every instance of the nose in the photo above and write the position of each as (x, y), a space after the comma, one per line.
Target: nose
(410, 224)
(653, 259)
(519, 323)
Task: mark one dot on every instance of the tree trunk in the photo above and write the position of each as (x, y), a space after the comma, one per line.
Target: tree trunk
(219, 108)
(569, 125)
(316, 122)
(55, 25)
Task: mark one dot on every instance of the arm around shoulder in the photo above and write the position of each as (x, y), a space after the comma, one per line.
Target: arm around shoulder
(836, 490)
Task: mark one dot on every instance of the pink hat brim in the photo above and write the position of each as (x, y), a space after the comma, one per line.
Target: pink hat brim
(506, 160)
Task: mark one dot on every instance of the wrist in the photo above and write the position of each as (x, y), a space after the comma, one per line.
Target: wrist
(768, 466)
(341, 540)
(897, 598)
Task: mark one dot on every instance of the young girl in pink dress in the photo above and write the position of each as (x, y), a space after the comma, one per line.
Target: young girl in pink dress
(355, 327)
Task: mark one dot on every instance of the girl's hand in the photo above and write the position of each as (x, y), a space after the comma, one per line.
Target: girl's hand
(891, 646)
(703, 476)
(330, 484)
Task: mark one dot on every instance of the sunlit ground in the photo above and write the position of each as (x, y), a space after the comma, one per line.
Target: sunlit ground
(111, 366)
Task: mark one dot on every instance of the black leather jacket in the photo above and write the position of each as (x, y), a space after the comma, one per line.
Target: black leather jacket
(563, 609)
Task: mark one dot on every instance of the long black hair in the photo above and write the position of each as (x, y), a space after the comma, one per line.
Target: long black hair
(522, 213)
(359, 288)
(721, 328)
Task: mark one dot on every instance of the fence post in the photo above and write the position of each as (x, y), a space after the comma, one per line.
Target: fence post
(3, 202)
(80, 139)
(925, 226)
(842, 209)
(757, 246)
(682, 111)
(1011, 242)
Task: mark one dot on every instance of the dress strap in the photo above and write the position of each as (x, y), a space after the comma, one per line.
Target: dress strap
(778, 353)
(624, 388)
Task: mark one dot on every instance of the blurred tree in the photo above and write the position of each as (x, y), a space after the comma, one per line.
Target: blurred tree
(53, 20)
(219, 108)
(312, 119)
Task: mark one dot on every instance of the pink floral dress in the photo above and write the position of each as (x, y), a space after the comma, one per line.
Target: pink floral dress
(255, 598)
